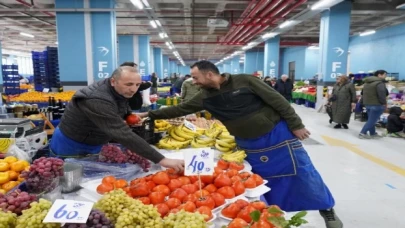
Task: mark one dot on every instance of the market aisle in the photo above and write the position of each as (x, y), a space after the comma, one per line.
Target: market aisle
(367, 192)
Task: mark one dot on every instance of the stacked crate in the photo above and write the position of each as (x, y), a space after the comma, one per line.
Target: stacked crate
(46, 69)
(11, 79)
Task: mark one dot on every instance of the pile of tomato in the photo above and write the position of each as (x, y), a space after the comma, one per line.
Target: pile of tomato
(171, 192)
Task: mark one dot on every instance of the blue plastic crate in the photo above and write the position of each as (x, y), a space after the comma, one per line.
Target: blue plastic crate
(10, 67)
(309, 104)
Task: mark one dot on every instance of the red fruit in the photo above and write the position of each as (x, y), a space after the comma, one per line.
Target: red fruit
(132, 119)
(157, 197)
(259, 205)
(188, 206)
(238, 223)
(174, 184)
(179, 194)
(242, 203)
(204, 210)
(161, 178)
(222, 164)
(189, 188)
(222, 180)
(238, 187)
(173, 203)
(245, 213)
(218, 198)
(163, 209)
(205, 201)
(231, 211)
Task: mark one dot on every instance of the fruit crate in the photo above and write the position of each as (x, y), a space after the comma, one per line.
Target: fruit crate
(147, 131)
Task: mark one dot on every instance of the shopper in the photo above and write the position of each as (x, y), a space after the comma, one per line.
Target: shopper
(95, 116)
(154, 84)
(188, 89)
(343, 102)
(268, 129)
(136, 102)
(177, 85)
(285, 86)
(374, 99)
(396, 123)
(267, 80)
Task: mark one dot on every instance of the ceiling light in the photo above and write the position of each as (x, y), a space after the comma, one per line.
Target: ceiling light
(153, 24)
(162, 35)
(313, 47)
(158, 22)
(137, 3)
(321, 4)
(269, 35)
(167, 44)
(285, 24)
(252, 43)
(27, 35)
(146, 3)
(246, 47)
(56, 42)
(170, 47)
(366, 33)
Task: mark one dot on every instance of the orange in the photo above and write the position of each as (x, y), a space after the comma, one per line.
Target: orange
(10, 185)
(26, 164)
(27, 168)
(13, 175)
(17, 166)
(10, 159)
(21, 179)
(2, 161)
(4, 177)
(4, 167)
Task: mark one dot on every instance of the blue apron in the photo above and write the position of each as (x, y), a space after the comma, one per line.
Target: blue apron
(64, 147)
(280, 158)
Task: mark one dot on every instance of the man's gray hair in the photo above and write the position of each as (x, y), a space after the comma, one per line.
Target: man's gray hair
(117, 72)
(284, 76)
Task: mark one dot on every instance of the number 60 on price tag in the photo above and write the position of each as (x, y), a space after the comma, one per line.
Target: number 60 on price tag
(198, 161)
(69, 211)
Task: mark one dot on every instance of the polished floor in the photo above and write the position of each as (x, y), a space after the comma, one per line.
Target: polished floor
(366, 177)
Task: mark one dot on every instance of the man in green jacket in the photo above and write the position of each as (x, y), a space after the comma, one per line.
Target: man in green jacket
(188, 89)
(375, 100)
(268, 129)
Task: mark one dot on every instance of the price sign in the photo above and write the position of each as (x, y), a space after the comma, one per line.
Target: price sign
(190, 126)
(199, 161)
(69, 211)
(45, 90)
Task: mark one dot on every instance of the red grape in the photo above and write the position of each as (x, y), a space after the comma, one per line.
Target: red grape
(96, 219)
(16, 201)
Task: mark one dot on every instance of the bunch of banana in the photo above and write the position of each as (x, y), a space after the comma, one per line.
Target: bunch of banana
(225, 145)
(169, 143)
(213, 132)
(181, 133)
(200, 142)
(237, 156)
(162, 125)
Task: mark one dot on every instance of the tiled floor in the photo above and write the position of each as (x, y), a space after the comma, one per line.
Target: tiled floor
(367, 177)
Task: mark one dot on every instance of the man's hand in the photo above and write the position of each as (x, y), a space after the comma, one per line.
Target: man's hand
(353, 106)
(176, 164)
(302, 133)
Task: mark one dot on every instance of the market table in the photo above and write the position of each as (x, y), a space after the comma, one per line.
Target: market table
(305, 96)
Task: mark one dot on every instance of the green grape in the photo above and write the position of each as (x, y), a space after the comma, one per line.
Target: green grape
(34, 216)
(184, 219)
(7, 219)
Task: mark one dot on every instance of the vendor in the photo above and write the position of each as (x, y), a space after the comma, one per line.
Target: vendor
(268, 129)
(95, 116)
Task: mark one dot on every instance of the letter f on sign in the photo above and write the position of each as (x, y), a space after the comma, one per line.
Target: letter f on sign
(101, 66)
(335, 66)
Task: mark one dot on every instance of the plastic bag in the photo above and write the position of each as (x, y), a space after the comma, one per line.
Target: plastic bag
(92, 169)
(146, 97)
(13, 150)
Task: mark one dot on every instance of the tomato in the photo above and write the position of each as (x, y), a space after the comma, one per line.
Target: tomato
(104, 188)
(162, 188)
(210, 188)
(121, 183)
(139, 190)
(238, 187)
(174, 211)
(184, 180)
(207, 179)
(149, 177)
(231, 211)
(190, 198)
(150, 184)
(227, 192)
(197, 184)
(218, 170)
(222, 164)
(188, 206)
(245, 175)
(262, 224)
(205, 201)
(238, 167)
(163, 209)
(189, 188)
(259, 205)
(204, 210)
(242, 203)
(236, 178)
(193, 179)
(144, 200)
(249, 183)
(172, 173)
(156, 197)
(161, 178)
(258, 179)
(179, 194)
(173, 203)
(132, 119)
(245, 213)
(137, 181)
(222, 180)
(276, 207)
(232, 173)
(218, 199)
(108, 180)
(238, 223)
(174, 184)
(202, 193)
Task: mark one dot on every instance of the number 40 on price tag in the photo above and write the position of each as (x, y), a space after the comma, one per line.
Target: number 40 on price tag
(199, 161)
(69, 211)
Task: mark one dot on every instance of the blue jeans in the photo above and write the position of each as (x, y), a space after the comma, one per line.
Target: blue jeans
(374, 113)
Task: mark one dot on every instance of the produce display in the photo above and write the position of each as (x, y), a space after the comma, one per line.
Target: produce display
(7, 219)
(32, 97)
(113, 153)
(184, 219)
(97, 219)
(16, 201)
(34, 216)
(162, 125)
(11, 173)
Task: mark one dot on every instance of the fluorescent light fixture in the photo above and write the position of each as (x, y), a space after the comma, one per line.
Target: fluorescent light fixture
(366, 33)
(321, 4)
(285, 24)
(167, 44)
(313, 47)
(170, 47)
(402, 6)
(26, 34)
(246, 47)
(146, 3)
(162, 35)
(153, 24)
(137, 3)
(158, 22)
(269, 35)
(56, 42)
(252, 43)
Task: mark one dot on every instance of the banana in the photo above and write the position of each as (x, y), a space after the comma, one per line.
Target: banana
(200, 131)
(206, 141)
(222, 136)
(163, 144)
(178, 131)
(190, 132)
(195, 144)
(222, 149)
(173, 134)
(224, 144)
(237, 156)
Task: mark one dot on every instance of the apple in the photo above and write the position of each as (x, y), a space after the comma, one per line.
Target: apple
(132, 119)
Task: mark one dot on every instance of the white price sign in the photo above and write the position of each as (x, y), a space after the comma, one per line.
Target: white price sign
(199, 161)
(69, 211)
(189, 125)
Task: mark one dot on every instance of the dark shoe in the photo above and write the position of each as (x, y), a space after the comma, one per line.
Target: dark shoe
(330, 121)
(331, 219)
(345, 126)
(338, 126)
